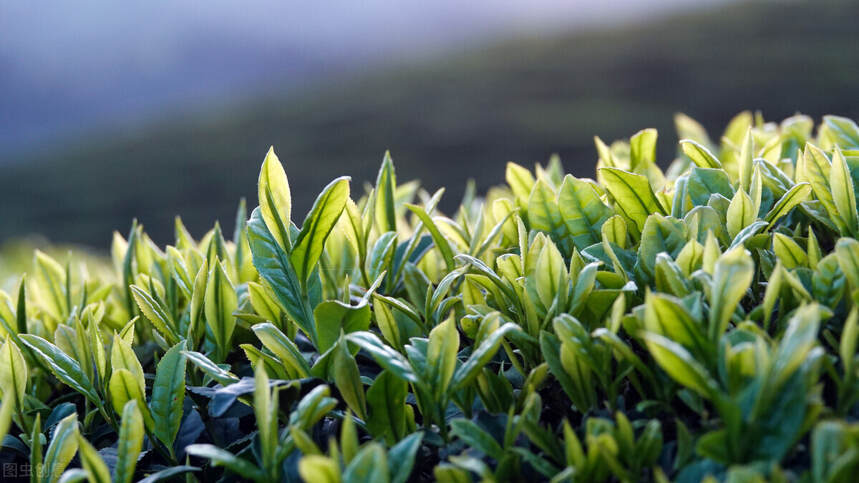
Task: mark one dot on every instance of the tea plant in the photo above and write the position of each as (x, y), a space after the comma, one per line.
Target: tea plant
(695, 323)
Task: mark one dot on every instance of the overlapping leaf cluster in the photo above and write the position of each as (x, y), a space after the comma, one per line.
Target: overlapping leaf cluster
(645, 326)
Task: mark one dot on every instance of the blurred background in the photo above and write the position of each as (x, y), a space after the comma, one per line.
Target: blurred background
(115, 110)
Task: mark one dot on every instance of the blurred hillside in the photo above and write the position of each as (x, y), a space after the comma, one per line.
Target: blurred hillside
(447, 119)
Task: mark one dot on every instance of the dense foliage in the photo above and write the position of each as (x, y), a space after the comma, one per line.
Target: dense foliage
(649, 325)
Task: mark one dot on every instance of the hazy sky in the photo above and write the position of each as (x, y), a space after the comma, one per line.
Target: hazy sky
(65, 66)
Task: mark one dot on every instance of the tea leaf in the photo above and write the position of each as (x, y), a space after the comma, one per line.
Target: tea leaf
(130, 442)
(699, 154)
(632, 194)
(168, 394)
(275, 199)
(61, 365)
(316, 227)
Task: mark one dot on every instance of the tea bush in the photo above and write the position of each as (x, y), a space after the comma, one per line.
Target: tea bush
(697, 323)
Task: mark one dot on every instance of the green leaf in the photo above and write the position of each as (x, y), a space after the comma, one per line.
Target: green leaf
(737, 127)
(220, 303)
(582, 210)
(265, 410)
(847, 252)
(275, 199)
(319, 468)
(156, 313)
(386, 186)
(550, 347)
(746, 160)
(263, 303)
(543, 211)
(348, 379)
(21, 308)
(642, 149)
(843, 130)
(438, 239)
(475, 437)
(35, 440)
(51, 280)
(666, 316)
(705, 181)
(732, 276)
(348, 438)
(843, 196)
(275, 268)
(660, 234)
(746, 233)
(62, 449)
(797, 341)
(13, 372)
(123, 387)
(614, 231)
(679, 364)
(447, 473)
(814, 167)
(699, 154)
(550, 274)
(167, 474)
(62, 366)
(441, 353)
(741, 213)
(304, 442)
(847, 345)
(520, 180)
(168, 394)
(219, 457)
(689, 128)
(370, 465)
(386, 401)
(829, 442)
(401, 457)
(789, 252)
(211, 369)
(93, 464)
(465, 374)
(796, 195)
(122, 356)
(279, 344)
(385, 356)
(333, 316)
(317, 225)
(632, 194)
(7, 407)
(198, 296)
(129, 444)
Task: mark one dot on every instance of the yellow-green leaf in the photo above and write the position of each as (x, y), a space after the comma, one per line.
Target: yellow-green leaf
(62, 449)
(794, 196)
(843, 196)
(441, 352)
(732, 275)
(122, 356)
(740, 213)
(699, 154)
(130, 442)
(318, 224)
(93, 463)
(632, 194)
(13, 372)
(789, 252)
(275, 199)
(220, 303)
(582, 211)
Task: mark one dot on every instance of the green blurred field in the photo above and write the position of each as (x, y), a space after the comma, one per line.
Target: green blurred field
(447, 119)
